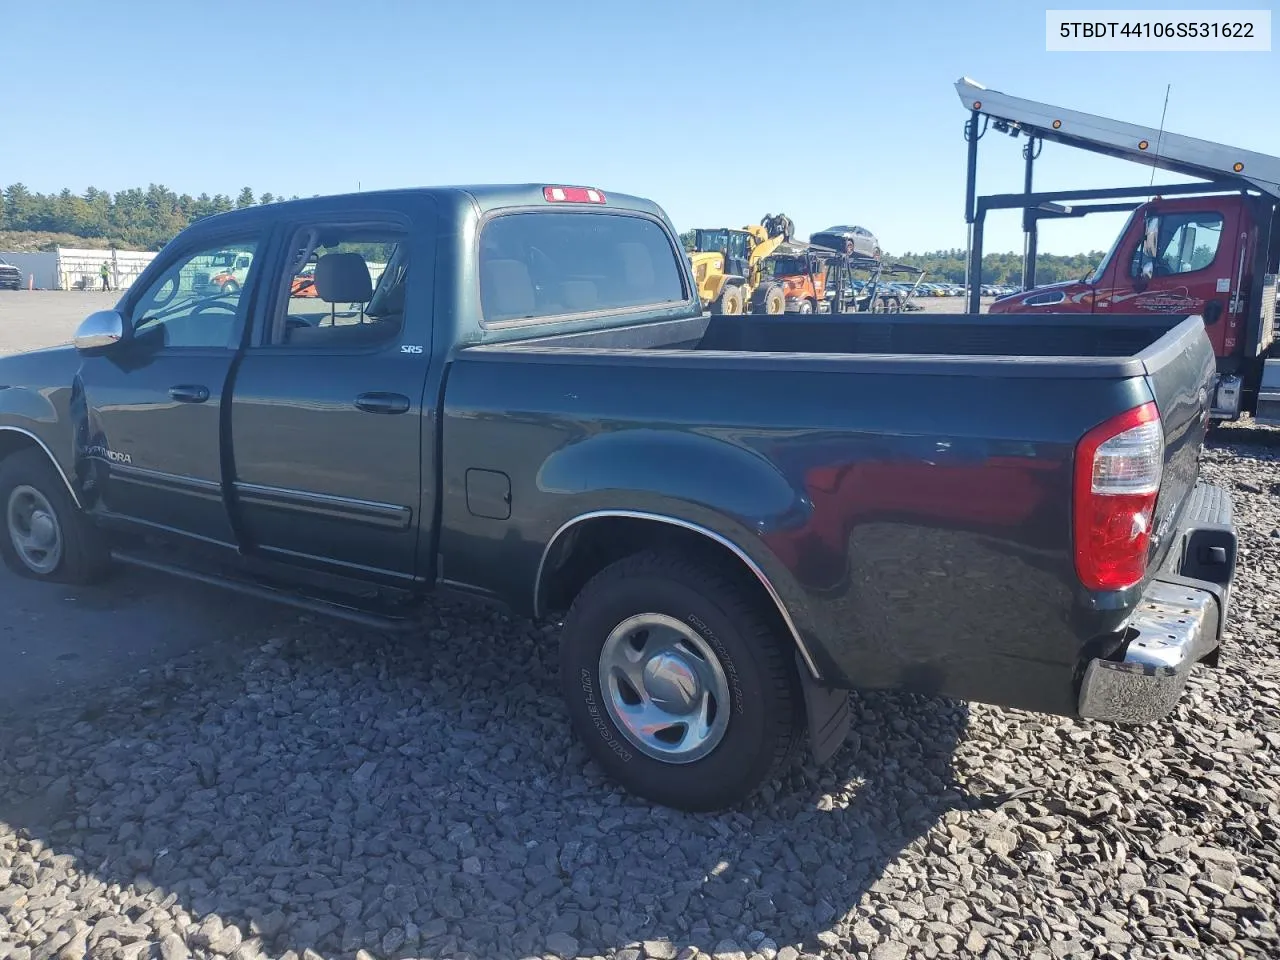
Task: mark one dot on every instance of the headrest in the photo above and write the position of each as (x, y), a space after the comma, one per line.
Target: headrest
(343, 278)
(506, 289)
(579, 295)
(637, 267)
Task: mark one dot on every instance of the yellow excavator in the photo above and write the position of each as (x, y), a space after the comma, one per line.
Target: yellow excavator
(727, 266)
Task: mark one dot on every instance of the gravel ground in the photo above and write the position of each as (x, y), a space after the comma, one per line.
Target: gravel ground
(318, 789)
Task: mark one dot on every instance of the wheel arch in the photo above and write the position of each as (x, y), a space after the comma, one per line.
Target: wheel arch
(590, 541)
(14, 439)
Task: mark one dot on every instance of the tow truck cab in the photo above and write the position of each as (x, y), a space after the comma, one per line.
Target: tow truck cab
(1211, 255)
(1211, 249)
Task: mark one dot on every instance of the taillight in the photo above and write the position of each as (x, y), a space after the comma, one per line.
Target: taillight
(572, 195)
(1117, 477)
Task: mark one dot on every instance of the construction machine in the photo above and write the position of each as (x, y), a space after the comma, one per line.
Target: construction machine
(727, 266)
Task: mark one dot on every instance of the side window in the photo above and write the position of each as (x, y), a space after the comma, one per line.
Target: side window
(344, 287)
(1188, 242)
(195, 302)
(551, 264)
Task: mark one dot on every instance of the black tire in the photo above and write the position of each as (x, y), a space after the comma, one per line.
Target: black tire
(730, 302)
(806, 306)
(769, 299)
(229, 288)
(84, 557)
(765, 709)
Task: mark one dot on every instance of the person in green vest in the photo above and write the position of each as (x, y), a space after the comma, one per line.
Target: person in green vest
(104, 272)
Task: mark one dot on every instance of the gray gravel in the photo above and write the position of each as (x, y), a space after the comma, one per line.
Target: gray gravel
(321, 792)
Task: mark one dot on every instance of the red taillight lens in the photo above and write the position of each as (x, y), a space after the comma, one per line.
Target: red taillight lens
(1117, 478)
(572, 195)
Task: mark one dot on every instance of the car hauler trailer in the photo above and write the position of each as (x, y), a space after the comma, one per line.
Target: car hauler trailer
(820, 279)
(1208, 248)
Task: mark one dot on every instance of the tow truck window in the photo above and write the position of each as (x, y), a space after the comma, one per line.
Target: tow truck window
(1188, 242)
(786, 266)
(553, 264)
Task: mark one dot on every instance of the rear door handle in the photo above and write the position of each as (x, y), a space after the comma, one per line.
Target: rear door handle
(383, 402)
(189, 393)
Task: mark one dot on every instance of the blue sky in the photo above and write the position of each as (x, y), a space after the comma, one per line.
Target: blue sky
(839, 112)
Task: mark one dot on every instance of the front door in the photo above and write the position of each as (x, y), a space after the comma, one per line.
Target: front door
(737, 260)
(1178, 259)
(327, 415)
(148, 413)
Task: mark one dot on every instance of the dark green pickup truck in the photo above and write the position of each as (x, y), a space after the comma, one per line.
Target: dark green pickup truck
(512, 392)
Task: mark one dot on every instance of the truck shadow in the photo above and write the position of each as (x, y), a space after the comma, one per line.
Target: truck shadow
(345, 792)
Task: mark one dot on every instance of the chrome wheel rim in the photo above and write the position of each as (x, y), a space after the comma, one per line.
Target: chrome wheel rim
(665, 687)
(34, 529)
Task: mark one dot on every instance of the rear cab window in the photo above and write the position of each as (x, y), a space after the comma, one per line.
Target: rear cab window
(536, 265)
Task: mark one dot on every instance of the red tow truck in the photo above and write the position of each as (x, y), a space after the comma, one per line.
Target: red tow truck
(1209, 248)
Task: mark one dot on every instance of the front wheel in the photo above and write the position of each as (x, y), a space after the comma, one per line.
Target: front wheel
(677, 682)
(45, 536)
(730, 302)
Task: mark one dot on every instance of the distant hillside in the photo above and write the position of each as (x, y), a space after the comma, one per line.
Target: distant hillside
(134, 219)
(1002, 268)
(34, 241)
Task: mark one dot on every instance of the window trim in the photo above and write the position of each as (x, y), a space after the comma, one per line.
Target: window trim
(259, 234)
(261, 339)
(677, 252)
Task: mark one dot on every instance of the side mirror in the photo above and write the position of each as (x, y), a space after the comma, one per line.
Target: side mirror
(1141, 267)
(100, 330)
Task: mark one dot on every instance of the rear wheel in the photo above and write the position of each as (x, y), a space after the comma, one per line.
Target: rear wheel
(770, 300)
(46, 537)
(678, 684)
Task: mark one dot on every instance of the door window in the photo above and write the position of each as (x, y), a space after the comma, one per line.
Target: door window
(1188, 242)
(345, 288)
(196, 301)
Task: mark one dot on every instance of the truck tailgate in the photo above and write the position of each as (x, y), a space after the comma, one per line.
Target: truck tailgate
(1180, 373)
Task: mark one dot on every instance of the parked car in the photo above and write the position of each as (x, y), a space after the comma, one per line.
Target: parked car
(854, 240)
(736, 519)
(10, 276)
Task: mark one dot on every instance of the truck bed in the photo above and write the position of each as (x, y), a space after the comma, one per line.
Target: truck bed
(905, 482)
(986, 345)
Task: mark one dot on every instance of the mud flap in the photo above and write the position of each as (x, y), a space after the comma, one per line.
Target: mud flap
(827, 712)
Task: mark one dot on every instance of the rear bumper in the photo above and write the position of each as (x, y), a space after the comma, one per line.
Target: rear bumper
(1177, 623)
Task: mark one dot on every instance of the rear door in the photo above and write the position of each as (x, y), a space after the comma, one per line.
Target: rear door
(327, 412)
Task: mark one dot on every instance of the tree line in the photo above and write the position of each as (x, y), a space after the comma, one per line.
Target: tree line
(948, 266)
(148, 219)
(132, 219)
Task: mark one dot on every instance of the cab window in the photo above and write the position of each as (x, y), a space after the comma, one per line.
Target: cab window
(1187, 242)
(344, 287)
(535, 264)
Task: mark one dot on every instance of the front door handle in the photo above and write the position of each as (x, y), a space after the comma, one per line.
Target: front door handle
(189, 393)
(383, 403)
